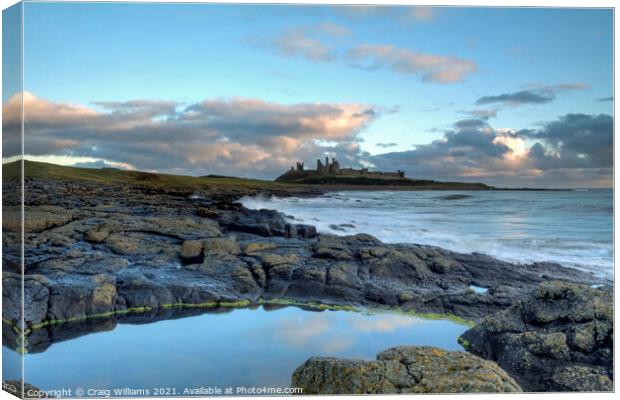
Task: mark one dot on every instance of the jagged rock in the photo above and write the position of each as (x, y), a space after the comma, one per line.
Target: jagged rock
(253, 247)
(582, 379)
(221, 246)
(344, 274)
(104, 293)
(192, 251)
(559, 338)
(263, 222)
(125, 245)
(403, 370)
(97, 235)
(271, 260)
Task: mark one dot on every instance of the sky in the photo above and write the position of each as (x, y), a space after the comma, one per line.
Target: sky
(507, 96)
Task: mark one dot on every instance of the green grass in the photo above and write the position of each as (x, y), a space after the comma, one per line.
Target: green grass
(375, 181)
(218, 183)
(39, 170)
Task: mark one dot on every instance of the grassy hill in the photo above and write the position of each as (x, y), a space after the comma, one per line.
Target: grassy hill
(387, 182)
(40, 170)
(296, 183)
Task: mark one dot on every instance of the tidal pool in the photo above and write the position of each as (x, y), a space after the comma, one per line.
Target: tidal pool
(242, 347)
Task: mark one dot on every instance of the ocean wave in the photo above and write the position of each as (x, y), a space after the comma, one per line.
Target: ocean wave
(521, 227)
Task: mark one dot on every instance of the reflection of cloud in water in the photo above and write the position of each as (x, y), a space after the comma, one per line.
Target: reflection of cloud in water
(321, 330)
(299, 331)
(337, 343)
(388, 323)
(331, 333)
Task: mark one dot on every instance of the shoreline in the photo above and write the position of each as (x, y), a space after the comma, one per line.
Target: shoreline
(345, 219)
(106, 250)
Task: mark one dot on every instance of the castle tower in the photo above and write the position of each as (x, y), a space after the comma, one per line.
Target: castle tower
(335, 166)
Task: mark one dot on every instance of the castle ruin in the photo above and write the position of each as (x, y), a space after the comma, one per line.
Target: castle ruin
(333, 168)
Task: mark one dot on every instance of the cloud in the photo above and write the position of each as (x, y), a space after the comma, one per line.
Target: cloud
(536, 95)
(386, 145)
(330, 29)
(300, 332)
(405, 14)
(421, 13)
(574, 141)
(100, 164)
(323, 43)
(257, 138)
(295, 43)
(388, 323)
(576, 150)
(239, 136)
(517, 98)
(483, 114)
(140, 108)
(357, 12)
(309, 41)
(432, 67)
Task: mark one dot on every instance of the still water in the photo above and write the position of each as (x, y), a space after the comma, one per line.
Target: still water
(242, 347)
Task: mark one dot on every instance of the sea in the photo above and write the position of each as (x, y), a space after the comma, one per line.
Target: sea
(572, 227)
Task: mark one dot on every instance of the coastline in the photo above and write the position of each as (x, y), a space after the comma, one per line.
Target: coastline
(104, 250)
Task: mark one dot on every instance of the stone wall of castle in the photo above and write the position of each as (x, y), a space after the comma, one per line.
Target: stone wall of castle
(333, 167)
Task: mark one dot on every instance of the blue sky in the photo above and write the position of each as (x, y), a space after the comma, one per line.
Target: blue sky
(85, 54)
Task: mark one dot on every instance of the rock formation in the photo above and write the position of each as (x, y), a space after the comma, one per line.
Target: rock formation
(560, 338)
(403, 370)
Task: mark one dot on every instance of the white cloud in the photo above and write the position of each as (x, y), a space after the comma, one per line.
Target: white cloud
(432, 67)
(240, 136)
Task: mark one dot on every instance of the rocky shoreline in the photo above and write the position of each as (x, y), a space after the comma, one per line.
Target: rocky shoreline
(108, 250)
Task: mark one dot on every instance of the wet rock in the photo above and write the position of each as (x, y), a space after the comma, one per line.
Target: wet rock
(262, 222)
(344, 274)
(221, 246)
(125, 244)
(259, 275)
(271, 260)
(192, 252)
(403, 370)
(441, 264)
(249, 248)
(582, 379)
(183, 228)
(104, 293)
(36, 219)
(35, 298)
(97, 235)
(559, 338)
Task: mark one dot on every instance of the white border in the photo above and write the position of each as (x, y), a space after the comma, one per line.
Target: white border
(480, 3)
